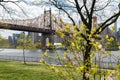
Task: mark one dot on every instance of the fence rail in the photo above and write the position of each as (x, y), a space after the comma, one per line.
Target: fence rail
(29, 59)
(107, 65)
(20, 58)
(101, 64)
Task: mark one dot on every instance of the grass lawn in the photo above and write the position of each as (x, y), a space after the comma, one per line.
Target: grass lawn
(13, 70)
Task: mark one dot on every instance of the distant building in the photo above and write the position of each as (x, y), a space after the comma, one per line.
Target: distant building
(35, 36)
(10, 40)
(118, 35)
(15, 37)
(107, 31)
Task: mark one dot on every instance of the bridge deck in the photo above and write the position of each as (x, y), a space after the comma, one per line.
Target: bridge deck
(25, 28)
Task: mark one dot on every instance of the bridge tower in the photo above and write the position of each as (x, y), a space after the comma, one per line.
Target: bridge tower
(47, 37)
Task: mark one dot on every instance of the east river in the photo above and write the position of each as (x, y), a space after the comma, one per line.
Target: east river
(35, 55)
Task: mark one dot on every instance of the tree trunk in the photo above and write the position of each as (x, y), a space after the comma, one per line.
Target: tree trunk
(86, 62)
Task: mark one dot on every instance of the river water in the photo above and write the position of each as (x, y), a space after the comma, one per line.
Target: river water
(30, 55)
(36, 55)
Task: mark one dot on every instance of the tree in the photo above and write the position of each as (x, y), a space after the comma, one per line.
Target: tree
(3, 42)
(25, 42)
(86, 10)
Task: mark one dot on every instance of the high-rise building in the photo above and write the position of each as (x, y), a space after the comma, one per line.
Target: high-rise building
(15, 37)
(118, 35)
(35, 36)
(10, 40)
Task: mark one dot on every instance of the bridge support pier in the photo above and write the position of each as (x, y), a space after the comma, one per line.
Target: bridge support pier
(46, 39)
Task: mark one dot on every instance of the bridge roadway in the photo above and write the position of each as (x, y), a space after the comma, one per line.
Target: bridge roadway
(24, 28)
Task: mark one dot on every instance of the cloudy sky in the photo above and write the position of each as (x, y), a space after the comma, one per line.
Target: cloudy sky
(30, 11)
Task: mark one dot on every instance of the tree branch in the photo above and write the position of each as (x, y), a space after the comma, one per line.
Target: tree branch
(55, 4)
(87, 11)
(103, 6)
(8, 1)
(14, 2)
(80, 13)
(71, 2)
(6, 9)
(91, 13)
(92, 7)
(20, 8)
(111, 20)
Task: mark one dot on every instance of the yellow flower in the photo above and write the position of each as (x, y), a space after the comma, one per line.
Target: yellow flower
(60, 34)
(96, 44)
(107, 36)
(42, 61)
(111, 39)
(67, 26)
(73, 44)
(45, 54)
(93, 54)
(113, 27)
(52, 67)
(100, 29)
(80, 68)
(75, 27)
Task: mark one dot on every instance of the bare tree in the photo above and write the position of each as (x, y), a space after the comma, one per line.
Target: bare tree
(86, 10)
(10, 10)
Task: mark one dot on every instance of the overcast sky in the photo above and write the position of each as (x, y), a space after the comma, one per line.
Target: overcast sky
(31, 12)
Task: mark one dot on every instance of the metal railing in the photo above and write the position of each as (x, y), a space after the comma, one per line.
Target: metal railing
(29, 59)
(20, 58)
(101, 64)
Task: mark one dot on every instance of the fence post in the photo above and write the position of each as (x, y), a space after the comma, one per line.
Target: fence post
(100, 69)
(104, 75)
(95, 73)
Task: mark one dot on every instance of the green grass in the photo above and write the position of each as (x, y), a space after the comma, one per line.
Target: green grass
(12, 70)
